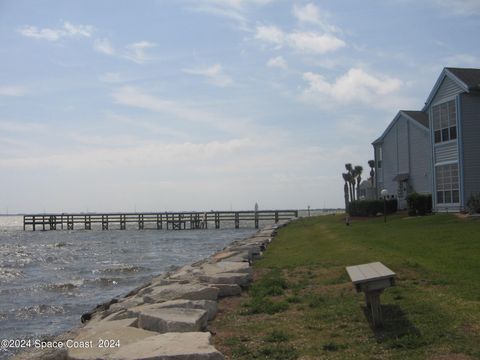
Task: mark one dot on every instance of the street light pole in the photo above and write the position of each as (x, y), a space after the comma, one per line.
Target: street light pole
(384, 193)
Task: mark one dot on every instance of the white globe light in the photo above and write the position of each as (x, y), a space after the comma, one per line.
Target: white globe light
(384, 193)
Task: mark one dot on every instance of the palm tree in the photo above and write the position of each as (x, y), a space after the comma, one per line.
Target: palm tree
(345, 189)
(358, 172)
(371, 163)
(351, 178)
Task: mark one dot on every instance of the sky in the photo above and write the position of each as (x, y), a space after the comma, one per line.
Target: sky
(210, 104)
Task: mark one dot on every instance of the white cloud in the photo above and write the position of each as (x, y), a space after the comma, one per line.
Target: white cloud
(278, 62)
(308, 42)
(104, 46)
(311, 14)
(356, 86)
(314, 43)
(68, 30)
(136, 52)
(214, 74)
(227, 13)
(229, 9)
(13, 90)
(270, 34)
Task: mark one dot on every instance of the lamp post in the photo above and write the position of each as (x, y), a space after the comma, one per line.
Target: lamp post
(384, 194)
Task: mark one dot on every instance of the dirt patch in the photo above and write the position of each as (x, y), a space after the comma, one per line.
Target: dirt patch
(451, 357)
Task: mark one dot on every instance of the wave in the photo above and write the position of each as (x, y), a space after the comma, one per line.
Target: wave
(123, 269)
(10, 274)
(105, 281)
(30, 312)
(63, 287)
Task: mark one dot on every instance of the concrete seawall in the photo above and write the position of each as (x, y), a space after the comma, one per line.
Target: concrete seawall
(166, 318)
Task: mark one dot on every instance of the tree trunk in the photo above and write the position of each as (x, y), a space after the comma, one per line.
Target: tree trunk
(345, 193)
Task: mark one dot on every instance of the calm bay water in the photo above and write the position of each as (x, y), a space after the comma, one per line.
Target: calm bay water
(48, 279)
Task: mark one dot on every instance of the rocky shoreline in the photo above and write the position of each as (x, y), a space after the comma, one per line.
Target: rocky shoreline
(166, 318)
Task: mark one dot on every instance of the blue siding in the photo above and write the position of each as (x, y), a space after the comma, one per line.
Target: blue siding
(390, 160)
(471, 143)
(448, 89)
(446, 152)
(406, 150)
(420, 159)
(402, 142)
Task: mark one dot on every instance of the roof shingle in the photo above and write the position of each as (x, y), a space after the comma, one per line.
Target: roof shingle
(418, 116)
(470, 77)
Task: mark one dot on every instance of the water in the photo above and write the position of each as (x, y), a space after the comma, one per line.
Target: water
(48, 279)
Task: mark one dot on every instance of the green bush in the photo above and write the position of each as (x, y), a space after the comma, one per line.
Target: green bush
(371, 207)
(419, 204)
(473, 203)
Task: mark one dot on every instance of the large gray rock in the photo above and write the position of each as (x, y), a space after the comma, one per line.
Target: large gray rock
(247, 252)
(240, 256)
(222, 255)
(226, 267)
(180, 291)
(125, 304)
(241, 279)
(226, 290)
(210, 306)
(120, 331)
(172, 320)
(171, 346)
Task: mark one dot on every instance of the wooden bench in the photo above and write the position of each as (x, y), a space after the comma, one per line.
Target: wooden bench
(372, 279)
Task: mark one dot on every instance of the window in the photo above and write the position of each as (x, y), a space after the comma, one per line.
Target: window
(444, 121)
(379, 161)
(446, 177)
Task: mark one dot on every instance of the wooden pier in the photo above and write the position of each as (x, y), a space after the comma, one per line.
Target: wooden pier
(159, 221)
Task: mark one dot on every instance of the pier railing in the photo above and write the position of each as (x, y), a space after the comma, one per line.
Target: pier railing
(165, 220)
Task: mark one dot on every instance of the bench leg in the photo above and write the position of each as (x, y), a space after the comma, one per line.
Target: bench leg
(372, 300)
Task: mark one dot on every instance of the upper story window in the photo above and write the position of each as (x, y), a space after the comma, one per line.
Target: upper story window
(379, 160)
(444, 121)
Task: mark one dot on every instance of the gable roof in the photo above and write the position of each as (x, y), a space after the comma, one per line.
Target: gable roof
(470, 77)
(418, 118)
(467, 78)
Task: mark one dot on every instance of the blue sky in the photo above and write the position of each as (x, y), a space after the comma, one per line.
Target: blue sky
(210, 104)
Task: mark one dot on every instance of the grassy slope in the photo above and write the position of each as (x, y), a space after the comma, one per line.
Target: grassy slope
(303, 304)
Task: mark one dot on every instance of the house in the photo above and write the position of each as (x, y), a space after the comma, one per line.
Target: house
(435, 150)
(367, 190)
(403, 156)
(453, 108)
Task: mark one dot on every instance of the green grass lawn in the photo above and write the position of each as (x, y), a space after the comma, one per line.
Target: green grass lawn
(303, 305)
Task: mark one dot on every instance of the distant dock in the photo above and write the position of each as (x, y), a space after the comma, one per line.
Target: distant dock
(158, 221)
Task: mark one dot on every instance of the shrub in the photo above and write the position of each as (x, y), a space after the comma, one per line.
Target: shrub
(473, 203)
(419, 204)
(371, 207)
